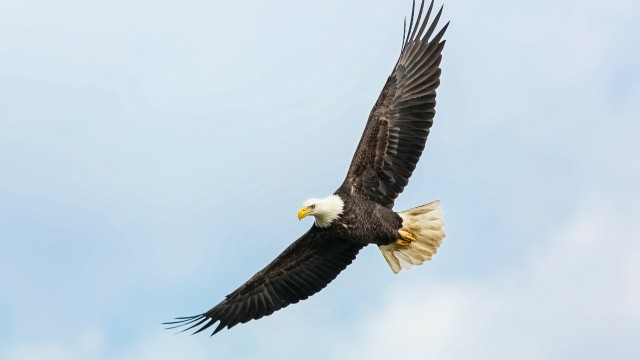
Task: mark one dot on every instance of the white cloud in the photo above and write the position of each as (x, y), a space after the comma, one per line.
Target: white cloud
(87, 345)
(159, 346)
(577, 298)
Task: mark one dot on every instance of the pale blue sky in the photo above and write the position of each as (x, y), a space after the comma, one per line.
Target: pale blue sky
(153, 155)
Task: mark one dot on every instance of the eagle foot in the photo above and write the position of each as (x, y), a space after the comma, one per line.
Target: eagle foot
(405, 238)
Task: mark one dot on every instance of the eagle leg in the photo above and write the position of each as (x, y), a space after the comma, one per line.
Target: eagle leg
(405, 238)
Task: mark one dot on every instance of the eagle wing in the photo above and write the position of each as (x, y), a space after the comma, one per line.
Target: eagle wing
(303, 269)
(399, 122)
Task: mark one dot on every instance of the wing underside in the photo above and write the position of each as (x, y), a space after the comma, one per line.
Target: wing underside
(303, 269)
(400, 121)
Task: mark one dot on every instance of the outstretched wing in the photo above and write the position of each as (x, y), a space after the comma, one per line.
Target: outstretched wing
(399, 123)
(303, 269)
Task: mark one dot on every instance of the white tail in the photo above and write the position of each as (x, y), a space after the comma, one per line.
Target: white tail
(427, 226)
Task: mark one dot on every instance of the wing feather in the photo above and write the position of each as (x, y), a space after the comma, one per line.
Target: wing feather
(401, 119)
(303, 269)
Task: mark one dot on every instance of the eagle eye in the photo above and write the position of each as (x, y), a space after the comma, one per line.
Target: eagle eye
(313, 206)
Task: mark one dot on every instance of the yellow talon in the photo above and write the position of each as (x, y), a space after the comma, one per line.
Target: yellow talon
(405, 238)
(403, 242)
(406, 235)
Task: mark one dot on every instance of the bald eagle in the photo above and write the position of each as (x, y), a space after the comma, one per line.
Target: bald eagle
(360, 212)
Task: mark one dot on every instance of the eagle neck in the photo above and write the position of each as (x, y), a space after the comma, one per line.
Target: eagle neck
(329, 209)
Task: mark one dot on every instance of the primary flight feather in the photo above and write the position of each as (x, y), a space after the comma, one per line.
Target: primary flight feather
(360, 212)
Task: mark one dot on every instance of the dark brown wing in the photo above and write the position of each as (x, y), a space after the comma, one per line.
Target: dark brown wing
(303, 269)
(399, 123)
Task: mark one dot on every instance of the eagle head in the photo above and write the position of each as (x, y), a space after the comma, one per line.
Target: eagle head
(324, 210)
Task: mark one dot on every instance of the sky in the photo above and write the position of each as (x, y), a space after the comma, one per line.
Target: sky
(154, 154)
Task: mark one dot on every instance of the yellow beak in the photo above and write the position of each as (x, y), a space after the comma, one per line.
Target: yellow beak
(302, 213)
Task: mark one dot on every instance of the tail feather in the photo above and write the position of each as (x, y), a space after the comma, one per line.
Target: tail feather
(426, 223)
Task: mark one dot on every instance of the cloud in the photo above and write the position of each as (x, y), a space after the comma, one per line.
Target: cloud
(578, 298)
(86, 345)
(158, 347)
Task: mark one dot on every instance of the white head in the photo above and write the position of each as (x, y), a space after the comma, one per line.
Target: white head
(324, 210)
